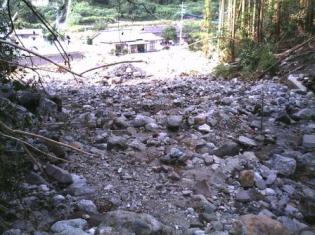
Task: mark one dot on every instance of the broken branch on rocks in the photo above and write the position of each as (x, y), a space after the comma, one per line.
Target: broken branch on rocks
(112, 64)
(53, 142)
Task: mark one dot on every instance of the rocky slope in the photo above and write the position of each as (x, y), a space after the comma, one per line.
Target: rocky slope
(182, 156)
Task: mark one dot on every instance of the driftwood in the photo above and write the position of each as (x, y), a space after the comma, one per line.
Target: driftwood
(112, 64)
(284, 55)
(7, 129)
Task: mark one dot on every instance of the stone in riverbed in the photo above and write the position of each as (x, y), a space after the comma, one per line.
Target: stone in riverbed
(205, 128)
(116, 142)
(79, 187)
(142, 120)
(258, 225)
(174, 122)
(28, 99)
(63, 225)
(61, 175)
(134, 223)
(87, 206)
(304, 114)
(248, 142)
(309, 141)
(247, 178)
(228, 149)
(284, 165)
(243, 196)
(175, 156)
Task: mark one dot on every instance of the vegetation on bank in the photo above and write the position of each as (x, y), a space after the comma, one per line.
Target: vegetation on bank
(252, 32)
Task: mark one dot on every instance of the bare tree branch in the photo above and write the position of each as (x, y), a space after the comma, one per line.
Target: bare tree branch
(112, 64)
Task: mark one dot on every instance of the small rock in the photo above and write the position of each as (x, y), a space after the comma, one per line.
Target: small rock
(174, 121)
(228, 149)
(205, 128)
(247, 178)
(284, 165)
(134, 223)
(63, 225)
(116, 142)
(243, 140)
(243, 196)
(13, 232)
(61, 175)
(87, 206)
(309, 141)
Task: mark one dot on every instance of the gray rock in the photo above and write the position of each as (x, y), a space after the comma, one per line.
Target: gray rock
(79, 187)
(14, 113)
(200, 119)
(205, 128)
(117, 143)
(304, 114)
(40, 233)
(292, 225)
(283, 117)
(13, 232)
(47, 106)
(226, 101)
(267, 213)
(201, 204)
(61, 175)
(142, 120)
(120, 123)
(243, 140)
(34, 178)
(151, 126)
(175, 156)
(134, 223)
(87, 206)
(194, 231)
(306, 163)
(228, 149)
(174, 121)
(63, 225)
(72, 231)
(243, 196)
(271, 178)
(28, 99)
(284, 165)
(309, 141)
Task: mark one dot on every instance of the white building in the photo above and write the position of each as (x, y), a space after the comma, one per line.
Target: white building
(130, 41)
(40, 3)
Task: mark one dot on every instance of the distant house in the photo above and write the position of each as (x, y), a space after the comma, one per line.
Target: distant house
(31, 38)
(130, 41)
(40, 3)
(32, 34)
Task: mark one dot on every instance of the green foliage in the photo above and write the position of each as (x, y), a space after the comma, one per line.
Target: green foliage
(7, 53)
(223, 70)
(169, 33)
(254, 56)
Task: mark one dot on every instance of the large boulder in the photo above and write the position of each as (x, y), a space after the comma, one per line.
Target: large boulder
(258, 225)
(127, 222)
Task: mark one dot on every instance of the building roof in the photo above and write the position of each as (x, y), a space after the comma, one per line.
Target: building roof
(29, 32)
(123, 36)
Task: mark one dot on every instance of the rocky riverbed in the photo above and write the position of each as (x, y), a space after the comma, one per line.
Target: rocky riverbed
(190, 155)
